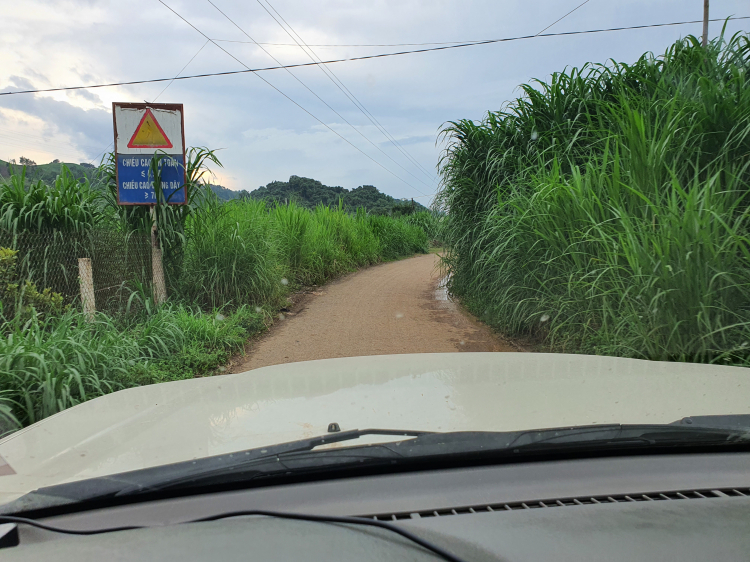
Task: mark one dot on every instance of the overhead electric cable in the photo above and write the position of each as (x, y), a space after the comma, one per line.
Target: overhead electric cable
(294, 102)
(103, 152)
(366, 57)
(340, 85)
(562, 18)
(181, 71)
(321, 99)
(63, 152)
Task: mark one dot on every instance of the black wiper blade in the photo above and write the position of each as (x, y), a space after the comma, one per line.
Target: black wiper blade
(327, 439)
(286, 458)
(427, 449)
(727, 421)
(248, 464)
(569, 438)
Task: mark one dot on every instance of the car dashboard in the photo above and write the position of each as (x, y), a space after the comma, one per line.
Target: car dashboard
(661, 507)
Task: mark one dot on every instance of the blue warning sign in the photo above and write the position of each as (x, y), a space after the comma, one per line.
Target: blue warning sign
(135, 180)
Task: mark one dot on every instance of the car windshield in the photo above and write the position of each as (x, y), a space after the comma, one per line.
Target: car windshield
(230, 226)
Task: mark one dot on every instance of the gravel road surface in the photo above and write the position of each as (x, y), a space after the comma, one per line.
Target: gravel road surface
(396, 307)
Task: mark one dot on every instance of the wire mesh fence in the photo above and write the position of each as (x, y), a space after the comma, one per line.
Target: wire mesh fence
(101, 269)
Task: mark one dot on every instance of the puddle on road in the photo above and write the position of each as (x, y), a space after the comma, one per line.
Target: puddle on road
(442, 298)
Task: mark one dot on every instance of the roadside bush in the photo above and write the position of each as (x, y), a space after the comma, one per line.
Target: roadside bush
(20, 300)
(231, 257)
(608, 210)
(48, 365)
(397, 237)
(429, 221)
(66, 205)
(334, 242)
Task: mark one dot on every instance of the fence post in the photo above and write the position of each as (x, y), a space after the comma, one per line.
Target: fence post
(86, 279)
(160, 287)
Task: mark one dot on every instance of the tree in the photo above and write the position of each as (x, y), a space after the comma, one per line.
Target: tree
(26, 161)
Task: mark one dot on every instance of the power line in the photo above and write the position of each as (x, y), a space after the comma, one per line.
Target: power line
(562, 18)
(103, 152)
(367, 57)
(350, 45)
(183, 69)
(340, 85)
(291, 100)
(321, 99)
(36, 138)
(336, 81)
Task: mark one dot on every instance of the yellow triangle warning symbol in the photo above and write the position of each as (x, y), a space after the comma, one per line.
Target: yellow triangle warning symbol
(149, 134)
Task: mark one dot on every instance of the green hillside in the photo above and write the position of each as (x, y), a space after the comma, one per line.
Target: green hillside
(309, 193)
(306, 192)
(48, 172)
(226, 194)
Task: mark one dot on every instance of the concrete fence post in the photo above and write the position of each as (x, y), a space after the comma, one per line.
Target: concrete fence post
(160, 287)
(86, 280)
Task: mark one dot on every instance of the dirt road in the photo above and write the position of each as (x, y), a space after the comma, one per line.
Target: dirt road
(396, 307)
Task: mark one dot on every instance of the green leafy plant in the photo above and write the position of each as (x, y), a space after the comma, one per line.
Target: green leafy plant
(19, 301)
(606, 211)
(67, 205)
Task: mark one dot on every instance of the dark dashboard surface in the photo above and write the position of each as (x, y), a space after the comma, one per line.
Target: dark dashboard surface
(686, 507)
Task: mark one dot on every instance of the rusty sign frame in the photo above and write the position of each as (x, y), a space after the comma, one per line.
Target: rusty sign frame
(163, 106)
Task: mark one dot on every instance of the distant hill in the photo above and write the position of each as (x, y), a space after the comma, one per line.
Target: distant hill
(48, 172)
(226, 194)
(305, 191)
(309, 193)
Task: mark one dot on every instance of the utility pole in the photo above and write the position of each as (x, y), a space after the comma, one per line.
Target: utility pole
(705, 22)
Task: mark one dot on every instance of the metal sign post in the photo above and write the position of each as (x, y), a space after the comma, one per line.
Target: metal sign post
(144, 131)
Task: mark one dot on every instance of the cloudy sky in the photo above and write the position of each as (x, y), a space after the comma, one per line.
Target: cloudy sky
(264, 135)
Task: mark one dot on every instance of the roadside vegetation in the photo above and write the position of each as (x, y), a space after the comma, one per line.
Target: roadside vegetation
(229, 266)
(607, 210)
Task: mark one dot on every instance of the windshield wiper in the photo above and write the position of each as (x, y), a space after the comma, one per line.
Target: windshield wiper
(423, 448)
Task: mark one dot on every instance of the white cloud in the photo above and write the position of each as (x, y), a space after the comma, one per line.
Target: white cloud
(267, 137)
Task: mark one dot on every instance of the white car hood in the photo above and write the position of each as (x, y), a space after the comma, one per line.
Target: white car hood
(177, 421)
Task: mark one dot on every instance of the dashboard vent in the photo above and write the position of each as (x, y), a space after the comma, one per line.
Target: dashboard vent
(567, 502)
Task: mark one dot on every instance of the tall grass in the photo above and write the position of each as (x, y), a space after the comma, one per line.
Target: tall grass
(244, 252)
(430, 222)
(398, 237)
(607, 210)
(229, 265)
(66, 205)
(231, 257)
(50, 365)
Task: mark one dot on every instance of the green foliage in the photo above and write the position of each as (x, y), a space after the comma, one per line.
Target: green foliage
(398, 237)
(66, 205)
(49, 365)
(310, 193)
(230, 258)
(19, 301)
(47, 173)
(607, 211)
(223, 260)
(242, 252)
(53, 364)
(429, 221)
(209, 340)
